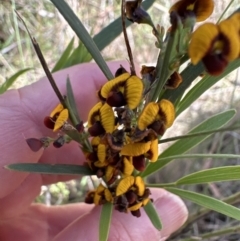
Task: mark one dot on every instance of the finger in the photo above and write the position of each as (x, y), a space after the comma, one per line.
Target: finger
(22, 114)
(41, 223)
(171, 209)
(19, 200)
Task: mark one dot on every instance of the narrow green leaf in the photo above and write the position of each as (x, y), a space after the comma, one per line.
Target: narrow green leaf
(64, 57)
(184, 145)
(109, 33)
(83, 35)
(191, 156)
(226, 173)
(204, 85)
(71, 101)
(59, 169)
(105, 221)
(153, 215)
(79, 55)
(7, 84)
(207, 202)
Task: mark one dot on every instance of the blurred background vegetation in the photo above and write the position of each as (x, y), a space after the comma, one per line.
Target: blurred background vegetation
(53, 35)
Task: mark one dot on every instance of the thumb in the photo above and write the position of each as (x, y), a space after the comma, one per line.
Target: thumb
(171, 209)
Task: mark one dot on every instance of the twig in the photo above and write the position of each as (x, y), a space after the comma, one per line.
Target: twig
(132, 67)
(43, 62)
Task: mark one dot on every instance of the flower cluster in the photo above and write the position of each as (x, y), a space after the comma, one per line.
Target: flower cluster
(125, 135)
(216, 44)
(131, 115)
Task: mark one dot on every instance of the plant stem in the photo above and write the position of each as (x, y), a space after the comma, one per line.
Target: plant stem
(132, 67)
(233, 199)
(163, 68)
(43, 63)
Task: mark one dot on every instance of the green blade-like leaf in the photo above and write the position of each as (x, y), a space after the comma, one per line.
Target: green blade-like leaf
(204, 85)
(71, 101)
(153, 215)
(109, 33)
(79, 55)
(191, 156)
(64, 57)
(83, 35)
(7, 84)
(182, 146)
(105, 221)
(217, 174)
(59, 169)
(207, 202)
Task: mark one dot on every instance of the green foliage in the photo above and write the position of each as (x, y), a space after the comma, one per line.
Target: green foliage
(227, 173)
(63, 60)
(153, 215)
(207, 202)
(182, 146)
(83, 35)
(9, 82)
(59, 169)
(105, 221)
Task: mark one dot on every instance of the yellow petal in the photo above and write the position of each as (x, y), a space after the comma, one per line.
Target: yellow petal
(145, 201)
(62, 118)
(148, 115)
(97, 199)
(201, 41)
(153, 152)
(100, 189)
(95, 141)
(109, 172)
(56, 110)
(127, 167)
(135, 207)
(167, 112)
(101, 164)
(108, 195)
(135, 149)
(124, 185)
(101, 152)
(229, 31)
(93, 113)
(133, 91)
(120, 80)
(107, 118)
(139, 183)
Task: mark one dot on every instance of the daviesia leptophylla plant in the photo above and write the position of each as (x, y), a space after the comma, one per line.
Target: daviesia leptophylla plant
(121, 137)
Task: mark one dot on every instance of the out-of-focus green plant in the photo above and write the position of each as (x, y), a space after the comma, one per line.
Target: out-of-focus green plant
(9, 82)
(122, 154)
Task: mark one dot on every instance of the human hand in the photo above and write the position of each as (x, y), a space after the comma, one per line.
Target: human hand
(22, 112)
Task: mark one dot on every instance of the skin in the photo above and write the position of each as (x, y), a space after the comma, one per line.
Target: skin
(22, 112)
